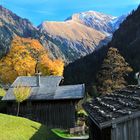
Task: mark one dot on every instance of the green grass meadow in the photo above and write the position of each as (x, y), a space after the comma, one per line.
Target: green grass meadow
(17, 128)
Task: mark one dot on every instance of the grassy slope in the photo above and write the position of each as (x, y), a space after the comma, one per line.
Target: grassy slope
(16, 128)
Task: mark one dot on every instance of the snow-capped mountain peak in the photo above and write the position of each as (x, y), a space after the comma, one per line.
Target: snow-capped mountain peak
(117, 21)
(99, 21)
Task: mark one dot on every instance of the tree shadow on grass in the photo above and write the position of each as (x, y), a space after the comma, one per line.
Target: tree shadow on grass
(44, 133)
(40, 133)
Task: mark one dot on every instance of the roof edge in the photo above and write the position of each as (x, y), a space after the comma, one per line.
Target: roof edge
(113, 121)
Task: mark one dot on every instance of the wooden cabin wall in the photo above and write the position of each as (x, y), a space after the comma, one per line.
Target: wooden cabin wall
(127, 130)
(55, 114)
(95, 133)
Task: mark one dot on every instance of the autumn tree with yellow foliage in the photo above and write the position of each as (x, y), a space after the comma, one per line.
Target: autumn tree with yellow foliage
(23, 57)
(113, 73)
(21, 94)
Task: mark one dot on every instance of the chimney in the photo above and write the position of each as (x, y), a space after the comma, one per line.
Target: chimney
(38, 73)
(38, 79)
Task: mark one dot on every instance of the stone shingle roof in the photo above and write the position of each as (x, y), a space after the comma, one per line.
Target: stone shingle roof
(124, 103)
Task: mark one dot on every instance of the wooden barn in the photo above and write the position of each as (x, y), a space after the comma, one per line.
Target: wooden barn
(49, 102)
(115, 116)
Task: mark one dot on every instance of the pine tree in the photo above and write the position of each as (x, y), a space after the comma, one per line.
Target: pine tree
(113, 72)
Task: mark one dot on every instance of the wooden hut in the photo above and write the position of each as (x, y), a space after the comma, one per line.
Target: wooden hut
(115, 116)
(49, 103)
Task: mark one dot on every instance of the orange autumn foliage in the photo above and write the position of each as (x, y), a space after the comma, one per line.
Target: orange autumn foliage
(48, 66)
(22, 60)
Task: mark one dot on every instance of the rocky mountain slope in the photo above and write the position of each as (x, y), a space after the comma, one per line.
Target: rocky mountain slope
(74, 39)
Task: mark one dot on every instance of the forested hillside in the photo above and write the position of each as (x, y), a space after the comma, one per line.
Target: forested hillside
(85, 69)
(127, 39)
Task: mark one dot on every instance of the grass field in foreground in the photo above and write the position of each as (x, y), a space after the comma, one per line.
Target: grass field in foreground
(17, 128)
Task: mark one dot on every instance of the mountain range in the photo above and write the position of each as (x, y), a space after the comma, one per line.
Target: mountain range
(77, 36)
(82, 33)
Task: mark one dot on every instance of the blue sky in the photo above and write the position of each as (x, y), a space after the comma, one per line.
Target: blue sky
(58, 10)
